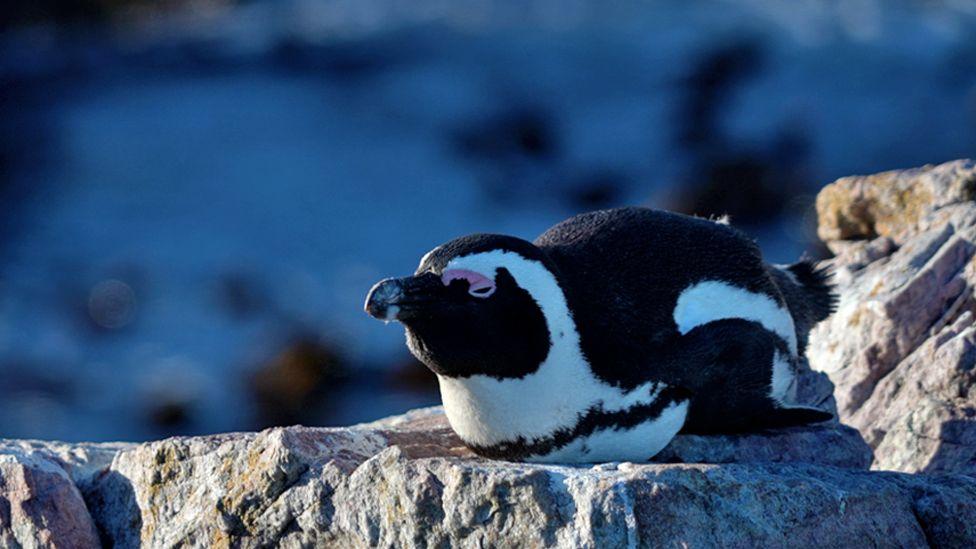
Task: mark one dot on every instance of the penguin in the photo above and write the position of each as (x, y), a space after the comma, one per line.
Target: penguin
(609, 334)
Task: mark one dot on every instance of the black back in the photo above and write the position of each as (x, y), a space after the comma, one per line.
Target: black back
(622, 271)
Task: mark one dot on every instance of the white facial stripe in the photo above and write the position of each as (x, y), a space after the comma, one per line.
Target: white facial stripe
(713, 300)
(486, 411)
(636, 444)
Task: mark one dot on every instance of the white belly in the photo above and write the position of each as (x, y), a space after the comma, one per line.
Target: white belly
(638, 443)
(485, 412)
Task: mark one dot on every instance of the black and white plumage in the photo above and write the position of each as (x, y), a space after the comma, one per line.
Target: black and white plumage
(608, 335)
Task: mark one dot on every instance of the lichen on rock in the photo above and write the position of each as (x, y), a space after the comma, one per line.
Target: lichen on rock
(891, 204)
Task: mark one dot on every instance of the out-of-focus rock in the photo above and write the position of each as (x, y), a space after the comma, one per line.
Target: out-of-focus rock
(288, 386)
(901, 348)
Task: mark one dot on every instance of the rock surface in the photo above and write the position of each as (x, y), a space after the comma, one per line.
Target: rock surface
(901, 348)
(896, 204)
(40, 504)
(407, 481)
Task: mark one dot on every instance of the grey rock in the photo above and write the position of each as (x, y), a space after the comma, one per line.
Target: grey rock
(834, 444)
(902, 346)
(408, 482)
(80, 460)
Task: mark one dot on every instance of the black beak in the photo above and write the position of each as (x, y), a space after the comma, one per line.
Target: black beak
(403, 298)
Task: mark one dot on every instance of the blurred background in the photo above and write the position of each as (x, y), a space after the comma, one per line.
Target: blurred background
(196, 195)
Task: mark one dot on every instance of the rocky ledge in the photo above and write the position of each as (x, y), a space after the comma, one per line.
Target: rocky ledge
(900, 351)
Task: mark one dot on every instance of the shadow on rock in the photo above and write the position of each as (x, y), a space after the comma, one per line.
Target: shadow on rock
(111, 500)
(956, 449)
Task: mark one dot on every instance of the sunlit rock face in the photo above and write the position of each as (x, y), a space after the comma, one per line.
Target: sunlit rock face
(409, 482)
(900, 351)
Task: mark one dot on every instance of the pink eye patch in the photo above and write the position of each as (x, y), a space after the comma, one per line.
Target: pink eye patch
(479, 285)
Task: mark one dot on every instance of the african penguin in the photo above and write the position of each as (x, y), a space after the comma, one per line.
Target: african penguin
(608, 335)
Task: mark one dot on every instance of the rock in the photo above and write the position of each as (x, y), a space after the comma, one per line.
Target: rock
(407, 481)
(901, 348)
(892, 204)
(80, 460)
(40, 506)
(303, 373)
(836, 445)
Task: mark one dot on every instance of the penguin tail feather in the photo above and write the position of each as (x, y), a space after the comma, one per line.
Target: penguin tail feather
(791, 416)
(816, 287)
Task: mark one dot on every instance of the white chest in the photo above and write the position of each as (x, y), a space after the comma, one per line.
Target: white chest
(638, 443)
(485, 411)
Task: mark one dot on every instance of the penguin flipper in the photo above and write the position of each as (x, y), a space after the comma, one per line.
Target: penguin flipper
(794, 415)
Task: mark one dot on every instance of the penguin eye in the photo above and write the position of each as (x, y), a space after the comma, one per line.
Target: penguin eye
(479, 285)
(481, 292)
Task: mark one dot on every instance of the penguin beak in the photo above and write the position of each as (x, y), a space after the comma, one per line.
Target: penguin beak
(404, 298)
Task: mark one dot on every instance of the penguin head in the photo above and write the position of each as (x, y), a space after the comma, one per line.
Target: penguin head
(473, 307)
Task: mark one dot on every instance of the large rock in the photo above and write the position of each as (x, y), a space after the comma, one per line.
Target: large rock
(893, 204)
(408, 481)
(901, 348)
(40, 506)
